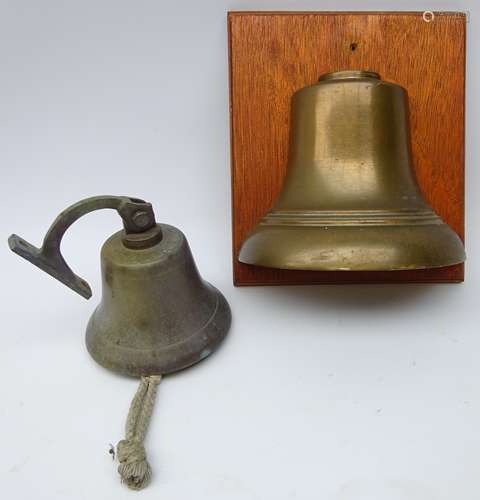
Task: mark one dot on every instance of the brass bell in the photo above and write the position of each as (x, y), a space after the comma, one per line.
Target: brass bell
(350, 200)
(156, 315)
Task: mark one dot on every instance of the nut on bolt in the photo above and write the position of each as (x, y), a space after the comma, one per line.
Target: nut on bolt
(141, 219)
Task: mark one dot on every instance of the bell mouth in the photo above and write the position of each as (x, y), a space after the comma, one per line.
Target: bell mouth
(348, 75)
(353, 247)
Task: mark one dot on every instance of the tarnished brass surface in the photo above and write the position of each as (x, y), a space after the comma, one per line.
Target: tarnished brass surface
(350, 200)
(156, 315)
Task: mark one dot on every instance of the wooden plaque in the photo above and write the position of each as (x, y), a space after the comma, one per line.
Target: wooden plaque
(273, 54)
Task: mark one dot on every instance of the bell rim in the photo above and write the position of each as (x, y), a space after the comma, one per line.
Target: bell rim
(165, 360)
(285, 247)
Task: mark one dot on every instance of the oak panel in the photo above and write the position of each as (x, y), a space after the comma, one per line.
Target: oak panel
(273, 54)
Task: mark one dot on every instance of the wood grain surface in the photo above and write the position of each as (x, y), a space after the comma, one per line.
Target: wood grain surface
(273, 54)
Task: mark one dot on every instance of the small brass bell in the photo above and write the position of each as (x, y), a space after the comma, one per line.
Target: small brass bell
(350, 200)
(156, 315)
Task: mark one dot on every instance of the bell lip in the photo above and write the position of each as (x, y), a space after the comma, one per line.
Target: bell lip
(345, 270)
(260, 248)
(176, 357)
(349, 75)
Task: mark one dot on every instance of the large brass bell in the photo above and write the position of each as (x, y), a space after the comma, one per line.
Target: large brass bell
(156, 315)
(350, 200)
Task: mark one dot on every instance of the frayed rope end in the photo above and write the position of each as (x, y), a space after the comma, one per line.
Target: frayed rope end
(134, 469)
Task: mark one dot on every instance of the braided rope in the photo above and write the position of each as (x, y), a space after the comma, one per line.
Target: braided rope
(134, 469)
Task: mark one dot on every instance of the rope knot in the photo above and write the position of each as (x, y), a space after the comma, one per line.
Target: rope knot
(134, 469)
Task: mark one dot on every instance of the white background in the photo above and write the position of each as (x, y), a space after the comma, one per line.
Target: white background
(344, 393)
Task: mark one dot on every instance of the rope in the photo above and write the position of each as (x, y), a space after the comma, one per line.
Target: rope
(134, 469)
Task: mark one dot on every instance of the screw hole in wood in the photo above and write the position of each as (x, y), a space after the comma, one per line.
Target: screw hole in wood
(428, 16)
